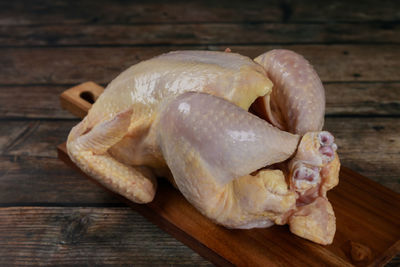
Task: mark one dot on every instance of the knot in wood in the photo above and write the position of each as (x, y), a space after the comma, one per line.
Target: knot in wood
(359, 252)
(75, 228)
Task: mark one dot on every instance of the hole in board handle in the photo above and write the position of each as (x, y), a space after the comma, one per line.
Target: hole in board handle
(87, 96)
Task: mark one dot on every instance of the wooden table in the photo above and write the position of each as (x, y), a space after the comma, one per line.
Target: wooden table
(50, 214)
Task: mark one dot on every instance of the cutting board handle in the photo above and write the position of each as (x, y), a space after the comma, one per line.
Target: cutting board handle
(79, 99)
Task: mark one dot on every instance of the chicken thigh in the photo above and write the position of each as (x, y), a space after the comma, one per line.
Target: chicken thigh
(184, 115)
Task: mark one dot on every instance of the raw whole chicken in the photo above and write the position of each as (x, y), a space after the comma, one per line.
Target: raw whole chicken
(185, 115)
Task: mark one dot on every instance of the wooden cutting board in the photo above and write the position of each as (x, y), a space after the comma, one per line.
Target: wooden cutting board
(367, 218)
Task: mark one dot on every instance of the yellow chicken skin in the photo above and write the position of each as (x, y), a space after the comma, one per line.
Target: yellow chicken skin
(185, 115)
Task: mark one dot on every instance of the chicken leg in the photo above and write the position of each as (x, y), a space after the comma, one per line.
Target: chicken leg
(211, 147)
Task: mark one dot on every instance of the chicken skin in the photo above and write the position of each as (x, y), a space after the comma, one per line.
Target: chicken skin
(184, 115)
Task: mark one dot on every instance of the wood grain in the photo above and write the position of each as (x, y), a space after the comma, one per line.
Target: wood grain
(33, 138)
(332, 62)
(178, 11)
(37, 101)
(69, 235)
(362, 99)
(209, 33)
(47, 181)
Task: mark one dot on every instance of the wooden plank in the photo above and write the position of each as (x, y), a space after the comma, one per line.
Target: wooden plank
(355, 199)
(33, 138)
(362, 99)
(37, 101)
(158, 34)
(87, 236)
(59, 66)
(41, 101)
(38, 180)
(20, 12)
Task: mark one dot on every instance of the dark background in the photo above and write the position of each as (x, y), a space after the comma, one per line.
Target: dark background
(50, 214)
